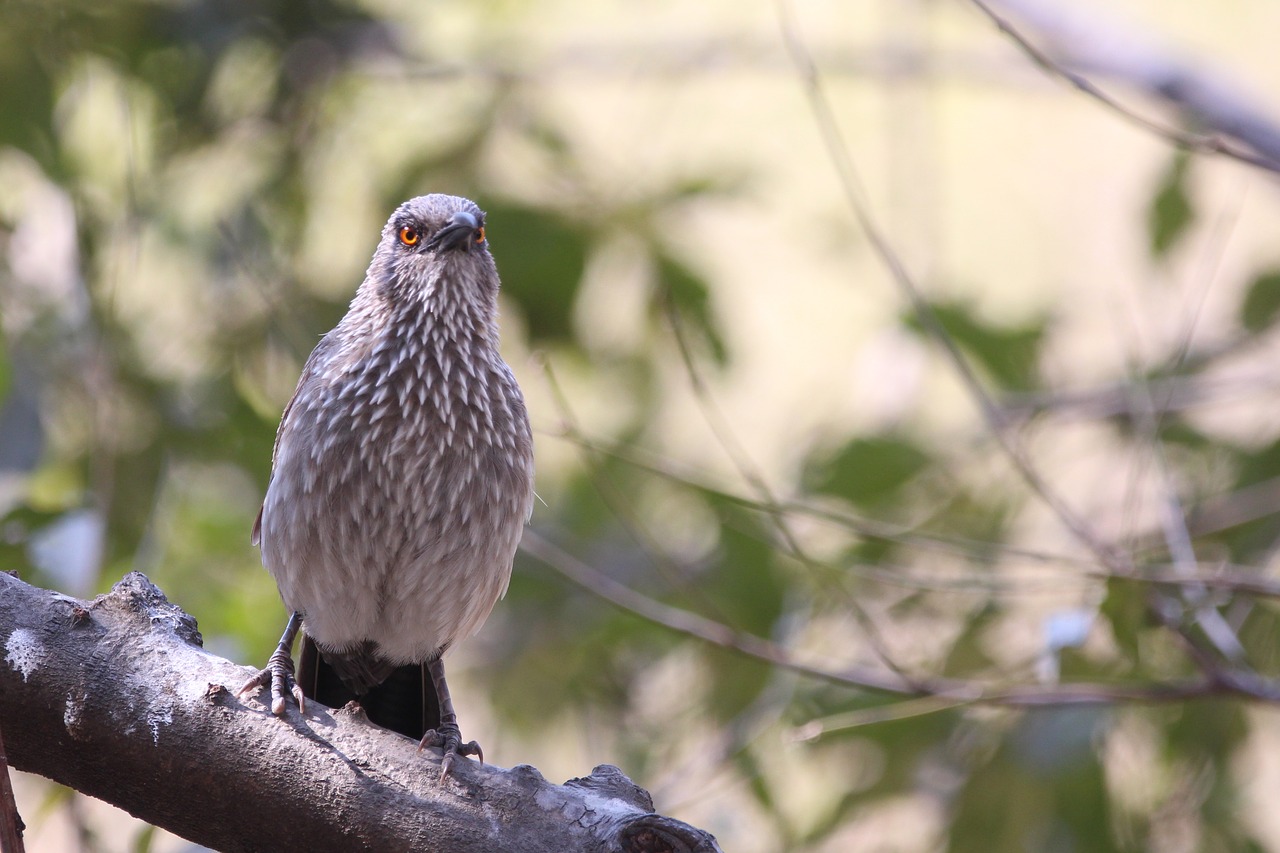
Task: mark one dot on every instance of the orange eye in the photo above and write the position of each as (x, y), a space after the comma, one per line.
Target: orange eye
(480, 235)
(409, 236)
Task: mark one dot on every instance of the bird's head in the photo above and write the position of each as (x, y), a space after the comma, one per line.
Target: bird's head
(433, 253)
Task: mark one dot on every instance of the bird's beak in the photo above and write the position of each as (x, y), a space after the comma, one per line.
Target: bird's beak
(462, 232)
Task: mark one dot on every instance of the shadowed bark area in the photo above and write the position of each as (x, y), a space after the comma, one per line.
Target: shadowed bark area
(117, 699)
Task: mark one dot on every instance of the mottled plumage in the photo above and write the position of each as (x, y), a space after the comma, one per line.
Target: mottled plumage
(403, 468)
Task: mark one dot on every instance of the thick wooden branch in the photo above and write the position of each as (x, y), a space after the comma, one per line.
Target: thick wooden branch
(116, 698)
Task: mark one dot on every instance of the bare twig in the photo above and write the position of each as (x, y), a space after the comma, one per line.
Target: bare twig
(1177, 536)
(620, 506)
(1115, 560)
(1176, 90)
(755, 479)
(1219, 513)
(1219, 682)
(838, 151)
(1176, 393)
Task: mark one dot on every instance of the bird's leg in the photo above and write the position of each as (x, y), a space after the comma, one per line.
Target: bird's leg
(279, 671)
(447, 735)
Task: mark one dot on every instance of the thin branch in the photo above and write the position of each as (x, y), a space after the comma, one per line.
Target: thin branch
(1210, 517)
(1219, 682)
(1212, 144)
(1177, 535)
(755, 479)
(1112, 558)
(616, 500)
(903, 709)
(841, 159)
(867, 528)
(707, 55)
(1176, 393)
(694, 625)
(1148, 419)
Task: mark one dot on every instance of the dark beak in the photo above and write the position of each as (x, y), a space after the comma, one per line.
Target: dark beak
(460, 233)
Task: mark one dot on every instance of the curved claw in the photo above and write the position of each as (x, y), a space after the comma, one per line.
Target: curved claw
(279, 673)
(280, 679)
(261, 679)
(449, 738)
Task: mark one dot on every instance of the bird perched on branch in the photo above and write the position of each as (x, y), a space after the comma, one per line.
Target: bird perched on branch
(401, 479)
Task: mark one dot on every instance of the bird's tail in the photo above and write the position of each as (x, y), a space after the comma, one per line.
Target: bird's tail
(400, 698)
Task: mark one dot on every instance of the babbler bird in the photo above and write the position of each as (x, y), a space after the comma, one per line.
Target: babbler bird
(401, 479)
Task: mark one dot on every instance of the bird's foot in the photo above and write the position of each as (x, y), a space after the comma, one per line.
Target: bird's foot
(278, 674)
(448, 737)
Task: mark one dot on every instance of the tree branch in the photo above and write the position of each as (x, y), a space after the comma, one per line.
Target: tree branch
(1217, 680)
(1142, 62)
(10, 823)
(116, 698)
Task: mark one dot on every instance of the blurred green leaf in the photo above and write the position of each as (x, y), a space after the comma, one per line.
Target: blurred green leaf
(16, 529)
(758, 784)
(1044, 789)
(541, 259)
(1247, 537)
(687, 293)
(1258, 466)
(1262, 303)
(1260, 634)
(1175, 430)
(1171, 212)
(970, 652)
(144, 840)
(868, 472)
(1010, 354)
(1205, 730)
(746, 585)
(745, 589)
(1126, 609)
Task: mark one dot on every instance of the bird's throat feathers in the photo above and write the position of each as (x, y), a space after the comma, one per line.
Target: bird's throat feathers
(417, 343)
(444, 302)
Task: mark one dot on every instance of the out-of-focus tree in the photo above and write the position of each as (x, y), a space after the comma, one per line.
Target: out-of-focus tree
(908, 569)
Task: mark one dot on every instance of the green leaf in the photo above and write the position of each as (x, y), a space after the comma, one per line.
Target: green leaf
(688, 294)
(541, 259)
(970, 652)
(1125, 608)
(1176, 431)
(1171, 212)
(1206, 730)
(1259, 466)
(1010, 354)
(18, 527)
(1262, 303)
(1043, 789)
(868, 472)
(746, 587)
(1251, 537)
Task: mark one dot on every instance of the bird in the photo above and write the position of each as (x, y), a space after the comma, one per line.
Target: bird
(401, 481)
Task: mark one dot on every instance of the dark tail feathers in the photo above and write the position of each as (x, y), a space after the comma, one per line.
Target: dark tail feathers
(403, 701)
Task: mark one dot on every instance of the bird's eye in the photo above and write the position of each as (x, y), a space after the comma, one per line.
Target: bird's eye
(409, 235)
(480, 234)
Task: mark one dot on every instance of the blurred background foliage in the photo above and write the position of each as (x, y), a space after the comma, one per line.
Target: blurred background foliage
(737, 414)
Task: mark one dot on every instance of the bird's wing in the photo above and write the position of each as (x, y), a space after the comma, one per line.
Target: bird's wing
(317, 355)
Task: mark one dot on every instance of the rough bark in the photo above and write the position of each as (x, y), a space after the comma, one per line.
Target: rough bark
(117, 699)
(10, 824)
